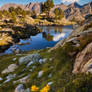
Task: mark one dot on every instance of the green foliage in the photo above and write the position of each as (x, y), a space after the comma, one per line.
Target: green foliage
(58, 13)
(18, 10)
(1, 15)
(4, 12)
(81, 83)
(47, 6)
(11, 9)
(13, 15)
(52, 4)
(33, 14)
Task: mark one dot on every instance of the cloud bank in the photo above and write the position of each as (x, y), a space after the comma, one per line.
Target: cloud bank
(69, 1)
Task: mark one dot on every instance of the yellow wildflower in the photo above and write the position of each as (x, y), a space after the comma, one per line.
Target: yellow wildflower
(34, 88)
(45, 89)
(48, 87)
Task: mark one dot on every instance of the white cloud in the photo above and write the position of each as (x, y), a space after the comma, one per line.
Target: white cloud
(69, 1)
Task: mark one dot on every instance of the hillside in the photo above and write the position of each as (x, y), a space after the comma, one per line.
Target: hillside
(65, 68)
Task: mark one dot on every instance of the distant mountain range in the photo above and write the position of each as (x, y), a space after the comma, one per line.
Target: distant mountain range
(72, 11)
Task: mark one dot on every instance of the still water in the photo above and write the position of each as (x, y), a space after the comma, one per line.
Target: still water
(49, 36)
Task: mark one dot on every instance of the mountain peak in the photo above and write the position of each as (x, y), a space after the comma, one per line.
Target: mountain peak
(75, 4)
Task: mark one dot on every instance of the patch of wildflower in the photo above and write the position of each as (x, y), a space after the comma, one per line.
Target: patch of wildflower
(34, 88)
(45, 89)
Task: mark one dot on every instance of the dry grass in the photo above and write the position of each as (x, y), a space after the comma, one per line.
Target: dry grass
(5, 39)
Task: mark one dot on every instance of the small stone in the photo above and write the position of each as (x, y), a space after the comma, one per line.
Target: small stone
(27, 90)
(1, 79)
(29, 64)
(40, 74)
(50, 59)
(7, 80)
(42, 60)
(50, 83)
(10, 77)
(50, 75)
(30, 70)
(20, 88)
(14, 59)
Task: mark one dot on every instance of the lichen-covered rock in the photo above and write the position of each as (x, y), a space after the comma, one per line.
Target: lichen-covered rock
(11, 68)
(27, 59)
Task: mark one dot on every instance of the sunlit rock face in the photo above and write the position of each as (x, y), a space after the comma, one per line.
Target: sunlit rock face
(58, 37)
(83, 61)
(31, 7)
(73, 11)
(34, 7)
(7, 6)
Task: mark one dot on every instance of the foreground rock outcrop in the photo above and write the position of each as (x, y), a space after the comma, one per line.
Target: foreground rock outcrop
(83, 61)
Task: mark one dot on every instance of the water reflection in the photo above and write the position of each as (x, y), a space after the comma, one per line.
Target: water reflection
(58, 37)
(48, 38)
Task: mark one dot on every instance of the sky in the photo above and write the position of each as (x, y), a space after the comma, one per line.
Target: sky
(2, 2)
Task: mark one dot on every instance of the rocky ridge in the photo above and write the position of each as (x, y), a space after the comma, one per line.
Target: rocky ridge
(70, 11)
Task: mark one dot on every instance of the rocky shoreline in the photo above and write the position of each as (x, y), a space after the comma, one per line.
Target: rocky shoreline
(17, 33)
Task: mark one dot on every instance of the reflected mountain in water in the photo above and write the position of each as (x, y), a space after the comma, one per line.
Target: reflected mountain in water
(48, 38)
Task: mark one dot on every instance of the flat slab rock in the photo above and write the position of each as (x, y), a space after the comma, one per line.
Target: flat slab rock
(11, 68)
(28, 58)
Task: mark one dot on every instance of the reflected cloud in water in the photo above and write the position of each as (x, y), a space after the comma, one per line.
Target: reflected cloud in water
(59, 36)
